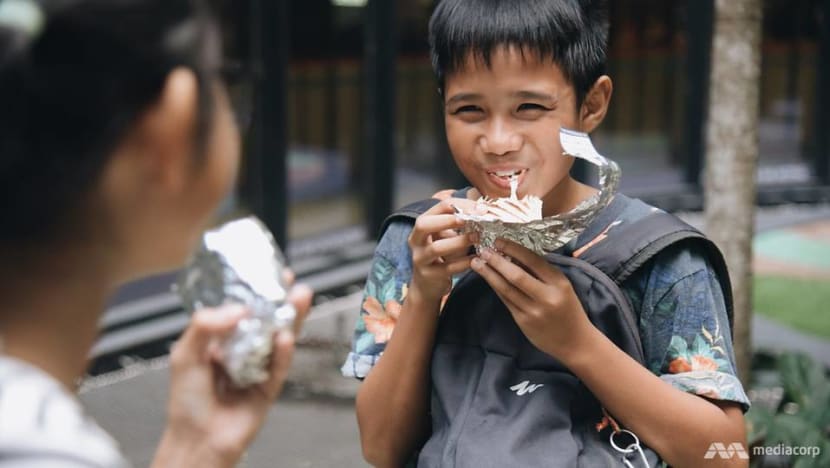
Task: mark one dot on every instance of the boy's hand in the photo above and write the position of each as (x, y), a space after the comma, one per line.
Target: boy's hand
(438, 250)
(539, 296)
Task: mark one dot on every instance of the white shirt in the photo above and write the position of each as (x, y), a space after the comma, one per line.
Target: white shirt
(43, 425)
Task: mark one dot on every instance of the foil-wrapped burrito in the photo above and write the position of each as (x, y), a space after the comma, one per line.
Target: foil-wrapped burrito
(521, 221)
(239, 262)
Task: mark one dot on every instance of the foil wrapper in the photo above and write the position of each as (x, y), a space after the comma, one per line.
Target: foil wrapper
(548, 234)
(240, 263)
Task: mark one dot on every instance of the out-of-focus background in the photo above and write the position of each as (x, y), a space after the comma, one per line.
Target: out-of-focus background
(342, 123)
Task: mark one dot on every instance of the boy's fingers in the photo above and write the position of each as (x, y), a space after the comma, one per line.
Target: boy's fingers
(448, 234)
(517, 251)
(427, 224)
(288, 277)
(512, 307)
(504, 287)
(280, 363)
(447, 247)
(460, 204)
(536, 264)
(205, 325)
(300, 297)
(457, 266)
(441, 217)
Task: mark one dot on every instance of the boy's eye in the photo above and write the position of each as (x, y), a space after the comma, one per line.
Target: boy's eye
(529, 106)
(466, 110)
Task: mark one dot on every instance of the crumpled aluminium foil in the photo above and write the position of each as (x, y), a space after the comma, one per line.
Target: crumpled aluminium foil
(239, 262)
(551, 233)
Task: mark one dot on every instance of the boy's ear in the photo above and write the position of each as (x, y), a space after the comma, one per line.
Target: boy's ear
(595, 105)
(167, 131)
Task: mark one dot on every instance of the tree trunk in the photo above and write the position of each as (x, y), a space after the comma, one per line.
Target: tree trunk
(732, 154)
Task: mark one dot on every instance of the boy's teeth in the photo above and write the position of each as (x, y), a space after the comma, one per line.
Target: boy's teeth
(506, 173)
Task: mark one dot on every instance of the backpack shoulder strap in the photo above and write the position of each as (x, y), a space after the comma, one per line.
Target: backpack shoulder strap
(628, 248)
(408, 212)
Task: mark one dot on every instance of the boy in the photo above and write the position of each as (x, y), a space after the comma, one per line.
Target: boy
(511, 74)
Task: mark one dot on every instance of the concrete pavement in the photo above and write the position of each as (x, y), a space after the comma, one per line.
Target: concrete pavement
(302, 430)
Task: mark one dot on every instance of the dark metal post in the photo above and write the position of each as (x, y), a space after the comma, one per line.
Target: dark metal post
(822, 145)
(250, 184)
(332, 82)
(380, 68)
(701, 19)
(269, 145)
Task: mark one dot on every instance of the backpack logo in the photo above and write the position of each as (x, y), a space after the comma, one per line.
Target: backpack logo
(525, 387)
(726, 452)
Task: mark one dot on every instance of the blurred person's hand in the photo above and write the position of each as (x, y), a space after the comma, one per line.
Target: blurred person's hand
(210, 422)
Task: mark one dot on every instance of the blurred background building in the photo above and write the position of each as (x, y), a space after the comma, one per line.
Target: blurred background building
(343, 123)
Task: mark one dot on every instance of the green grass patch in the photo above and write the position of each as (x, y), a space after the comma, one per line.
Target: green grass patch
(802, 304)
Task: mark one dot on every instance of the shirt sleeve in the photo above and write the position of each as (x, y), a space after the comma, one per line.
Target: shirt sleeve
(383, 294)
(44, 425)
(685, 328)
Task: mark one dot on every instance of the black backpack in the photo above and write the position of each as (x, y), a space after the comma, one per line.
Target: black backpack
(498, 401)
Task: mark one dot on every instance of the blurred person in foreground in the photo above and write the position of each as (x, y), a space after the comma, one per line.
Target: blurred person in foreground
(117, 143)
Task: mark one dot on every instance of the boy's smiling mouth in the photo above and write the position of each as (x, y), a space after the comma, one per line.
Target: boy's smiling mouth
(507, 174)
(501, 178)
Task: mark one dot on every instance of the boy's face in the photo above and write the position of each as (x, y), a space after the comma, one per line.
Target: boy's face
(505, 119)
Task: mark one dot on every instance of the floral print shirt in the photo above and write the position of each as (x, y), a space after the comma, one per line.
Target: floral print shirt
(683, 321)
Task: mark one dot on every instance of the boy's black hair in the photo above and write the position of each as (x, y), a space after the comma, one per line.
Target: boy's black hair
(573, 33)
(71, 87)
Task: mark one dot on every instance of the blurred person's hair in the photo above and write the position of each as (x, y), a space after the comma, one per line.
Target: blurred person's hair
(572, 33)
(73, 79)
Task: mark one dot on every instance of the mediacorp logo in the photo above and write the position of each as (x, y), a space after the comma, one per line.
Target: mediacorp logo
(718, 449)
(736, 449)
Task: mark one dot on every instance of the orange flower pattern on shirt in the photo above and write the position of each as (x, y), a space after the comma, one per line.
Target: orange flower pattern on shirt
(703, 363)
(382, 302)
(380, 319)
(679, 365)
(700, 363)
(706, 353)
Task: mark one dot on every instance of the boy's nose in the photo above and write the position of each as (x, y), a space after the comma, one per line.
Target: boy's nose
(500, 139)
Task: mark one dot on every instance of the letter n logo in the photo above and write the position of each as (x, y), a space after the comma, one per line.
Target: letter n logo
(525, 387)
